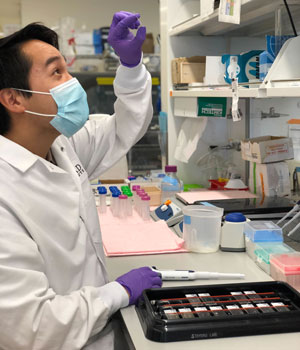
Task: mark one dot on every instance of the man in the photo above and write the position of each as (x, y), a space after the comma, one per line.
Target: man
(54, 291)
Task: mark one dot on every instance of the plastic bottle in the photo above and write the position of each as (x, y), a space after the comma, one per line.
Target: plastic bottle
(114, 203)
(145, 207)
(134, 189)
(97, 197)
(170, 184)
(139, 193)
(128, 193)
(102, 196)
(123, 200)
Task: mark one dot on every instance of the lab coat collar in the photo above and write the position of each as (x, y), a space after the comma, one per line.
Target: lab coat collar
(20, 158)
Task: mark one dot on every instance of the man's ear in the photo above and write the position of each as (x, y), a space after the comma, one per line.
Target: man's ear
(12, 101)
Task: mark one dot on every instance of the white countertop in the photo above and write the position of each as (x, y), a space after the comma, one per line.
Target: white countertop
(219, 262)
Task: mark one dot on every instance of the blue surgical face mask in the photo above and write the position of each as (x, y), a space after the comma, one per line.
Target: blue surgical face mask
(72, 107)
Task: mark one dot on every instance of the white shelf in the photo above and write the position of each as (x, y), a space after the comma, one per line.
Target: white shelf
(291, 91)
(243, 93)
(257, 18)
(260, 92)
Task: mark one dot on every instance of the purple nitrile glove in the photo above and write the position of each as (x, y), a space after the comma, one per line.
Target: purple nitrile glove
(127, 46)
(135, 281)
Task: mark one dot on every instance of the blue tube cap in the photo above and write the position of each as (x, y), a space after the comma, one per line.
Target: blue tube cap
(235, 217)
(102, 190)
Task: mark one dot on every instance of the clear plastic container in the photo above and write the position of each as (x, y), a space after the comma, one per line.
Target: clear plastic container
(123, 199)
(96, 197)
(114, 204)
(202, 228)
(264, 251)
(286, 267)
(263, 231)
(102, 199)
(137, 204)
(145, 207)
(129, 203)
(170, 184)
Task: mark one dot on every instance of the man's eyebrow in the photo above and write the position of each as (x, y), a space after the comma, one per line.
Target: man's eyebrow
(52, 59)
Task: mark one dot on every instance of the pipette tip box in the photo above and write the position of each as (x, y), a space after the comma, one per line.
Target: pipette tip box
(260, 231)
(217, 311)
(286, 267)
(265, 250)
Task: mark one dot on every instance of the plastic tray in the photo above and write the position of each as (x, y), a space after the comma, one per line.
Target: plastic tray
(264, 251)
(263, 231)
(215, 311)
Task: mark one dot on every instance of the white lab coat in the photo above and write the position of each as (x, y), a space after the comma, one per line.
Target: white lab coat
(54, 292)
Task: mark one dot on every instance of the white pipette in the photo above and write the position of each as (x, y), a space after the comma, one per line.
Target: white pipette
(190, 275)
(295, 207)
(292, 219)
(294, 230)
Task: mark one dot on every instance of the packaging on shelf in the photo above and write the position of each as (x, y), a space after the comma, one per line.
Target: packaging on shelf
(245, 66)
(266, 58)
(186, 70)
(294, 134)
(267, 149)
(88, 38)
(270, 179)
(148, 45)
(88, 49)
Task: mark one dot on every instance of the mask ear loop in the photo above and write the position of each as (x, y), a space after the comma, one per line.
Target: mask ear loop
(36, 92)
(41, 114)
(32, 91)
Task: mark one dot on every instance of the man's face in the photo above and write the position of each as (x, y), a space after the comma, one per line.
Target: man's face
(48, 70)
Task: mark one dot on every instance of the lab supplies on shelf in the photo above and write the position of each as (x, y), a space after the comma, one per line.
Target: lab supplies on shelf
(271, 179)
(267, 149)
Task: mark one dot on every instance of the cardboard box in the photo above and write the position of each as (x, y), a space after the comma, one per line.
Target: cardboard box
(267, 149)
(186, 70)
(154, 194)
(148, 45)
(270, 179)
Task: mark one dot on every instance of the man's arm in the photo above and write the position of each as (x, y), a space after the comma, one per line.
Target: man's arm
(33, 316)
(100, 144)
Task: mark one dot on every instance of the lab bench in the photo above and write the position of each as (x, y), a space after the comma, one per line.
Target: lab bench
(219, 262)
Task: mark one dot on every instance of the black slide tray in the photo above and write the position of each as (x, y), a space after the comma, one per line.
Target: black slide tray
(159, 329)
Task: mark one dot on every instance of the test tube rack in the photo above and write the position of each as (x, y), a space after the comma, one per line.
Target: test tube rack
(216, 311)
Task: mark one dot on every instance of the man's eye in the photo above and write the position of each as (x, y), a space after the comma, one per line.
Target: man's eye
(56, 71)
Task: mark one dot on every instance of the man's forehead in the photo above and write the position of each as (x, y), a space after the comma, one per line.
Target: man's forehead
(40, 52)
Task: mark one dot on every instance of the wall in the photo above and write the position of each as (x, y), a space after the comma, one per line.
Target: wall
(91, 13)
(10, 12)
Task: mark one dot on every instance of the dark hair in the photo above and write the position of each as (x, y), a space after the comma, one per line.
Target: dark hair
(15, 65)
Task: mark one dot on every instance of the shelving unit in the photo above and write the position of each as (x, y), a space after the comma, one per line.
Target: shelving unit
(261, 92)
(221, 92)
(257, 18)
(185, 33)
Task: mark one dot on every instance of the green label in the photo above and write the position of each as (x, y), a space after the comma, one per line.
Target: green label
(212, 106)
